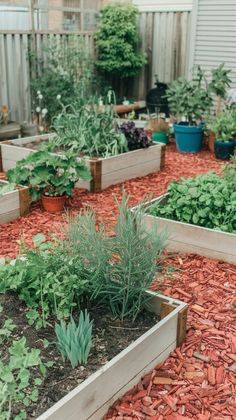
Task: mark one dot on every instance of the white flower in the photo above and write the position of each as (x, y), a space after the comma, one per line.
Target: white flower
(58, 97)
(38, 109)
(38, 92)
(60, 171)
(44, 111)
(72, 171)
(40, 96)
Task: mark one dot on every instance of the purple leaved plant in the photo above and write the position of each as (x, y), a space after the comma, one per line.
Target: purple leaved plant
(136, 137)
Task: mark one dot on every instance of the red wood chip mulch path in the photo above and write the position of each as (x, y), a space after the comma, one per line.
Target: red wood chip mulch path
(198, 380)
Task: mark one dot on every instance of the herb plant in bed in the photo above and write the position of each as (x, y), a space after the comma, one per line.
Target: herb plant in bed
(96, 136)
(91, 271)
(200, 214)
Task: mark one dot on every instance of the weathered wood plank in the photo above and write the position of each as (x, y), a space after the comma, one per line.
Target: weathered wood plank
(184, 237)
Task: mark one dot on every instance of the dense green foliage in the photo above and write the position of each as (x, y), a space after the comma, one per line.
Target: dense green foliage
(122, 267)
(50, 174)
(207, 200)
(75, 341)
(189, 99)
(224, 126)
(20, 376)
(117, 42)
(89, 131)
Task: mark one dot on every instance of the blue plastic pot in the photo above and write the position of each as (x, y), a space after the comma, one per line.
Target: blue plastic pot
(224, 149)
(188, 138)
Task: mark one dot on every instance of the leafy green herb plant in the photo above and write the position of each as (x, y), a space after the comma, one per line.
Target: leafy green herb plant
(206, 200)
(20, 377)
(75, 341)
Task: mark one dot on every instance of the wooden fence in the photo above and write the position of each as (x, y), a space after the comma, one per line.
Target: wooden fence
(164, 38)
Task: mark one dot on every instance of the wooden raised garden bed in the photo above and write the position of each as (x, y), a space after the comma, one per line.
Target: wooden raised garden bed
(91, 399)
(105, 171)
(13, 204)
(185, 237)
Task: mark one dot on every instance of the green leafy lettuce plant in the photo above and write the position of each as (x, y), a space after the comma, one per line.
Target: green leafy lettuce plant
(207, 200)
(49, 174)
(75, 341)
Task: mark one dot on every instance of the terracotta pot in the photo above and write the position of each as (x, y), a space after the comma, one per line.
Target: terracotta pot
(211, 141)
(53, 204)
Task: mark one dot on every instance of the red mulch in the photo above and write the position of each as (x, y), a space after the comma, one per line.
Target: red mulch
(198, 380)
(177, 164)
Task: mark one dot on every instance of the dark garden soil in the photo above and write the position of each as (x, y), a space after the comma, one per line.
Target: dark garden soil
(110, 337)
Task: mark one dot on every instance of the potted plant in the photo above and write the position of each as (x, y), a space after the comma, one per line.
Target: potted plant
(188, 102)
(49, 176)
(224, 129)
(220, 81)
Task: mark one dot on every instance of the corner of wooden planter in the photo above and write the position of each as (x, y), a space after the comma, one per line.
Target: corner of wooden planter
(24, 200)
(96, 172)
(167, 308)
(163, 156)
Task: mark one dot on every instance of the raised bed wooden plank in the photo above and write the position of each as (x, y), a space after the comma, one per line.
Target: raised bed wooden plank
(105, 171)
(14, 204)
(92, 398)
(185, 237)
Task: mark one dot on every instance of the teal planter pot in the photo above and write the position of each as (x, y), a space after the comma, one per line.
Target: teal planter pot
(160, 138)
(188, 137)
(224, 149)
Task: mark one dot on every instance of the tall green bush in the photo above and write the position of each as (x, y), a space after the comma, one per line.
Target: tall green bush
(117, 42)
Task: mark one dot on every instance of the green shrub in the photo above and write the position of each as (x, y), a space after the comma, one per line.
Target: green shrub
(117, 42)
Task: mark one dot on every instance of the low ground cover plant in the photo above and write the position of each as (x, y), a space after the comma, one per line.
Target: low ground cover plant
(207, 200)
